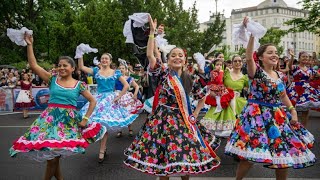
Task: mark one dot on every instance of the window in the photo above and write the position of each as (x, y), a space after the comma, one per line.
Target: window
(277, 10)
(275, 21)
(274, 1)
(256, 13)
(264, 22)
(236, 48)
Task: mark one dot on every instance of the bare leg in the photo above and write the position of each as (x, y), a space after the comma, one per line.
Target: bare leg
(129, 127)
(103, 146)
(58, 173)
(24, 113)
(164, 178)
(281, 174)
(130, 130)
(51, 168)
(243, 168)
(186, 177)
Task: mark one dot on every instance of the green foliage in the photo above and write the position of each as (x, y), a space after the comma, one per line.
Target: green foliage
(213, 35)
(312, 22)
(60, 25)
(274, 36)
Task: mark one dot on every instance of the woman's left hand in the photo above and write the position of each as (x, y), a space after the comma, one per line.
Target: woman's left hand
(294, 116)
(116, 99)
(83, 123)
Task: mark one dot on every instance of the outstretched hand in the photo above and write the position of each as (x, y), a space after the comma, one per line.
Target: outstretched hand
(152, 23)
(28, 38)
(245, 21)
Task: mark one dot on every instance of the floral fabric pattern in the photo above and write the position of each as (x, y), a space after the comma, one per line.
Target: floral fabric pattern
(56, 132)
(300, 92)
(263, 132)
(164, 145)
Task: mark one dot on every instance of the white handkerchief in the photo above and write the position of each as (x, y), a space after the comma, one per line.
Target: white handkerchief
(17, 36)
(200, 60)
(84, 49)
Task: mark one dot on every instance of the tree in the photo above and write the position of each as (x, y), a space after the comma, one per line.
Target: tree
(312, 22)
(214, 34)
(274, 36)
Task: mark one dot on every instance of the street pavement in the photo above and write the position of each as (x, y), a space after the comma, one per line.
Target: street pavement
(86, 166)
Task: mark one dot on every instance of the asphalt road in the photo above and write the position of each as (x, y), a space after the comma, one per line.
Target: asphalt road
(85, 166)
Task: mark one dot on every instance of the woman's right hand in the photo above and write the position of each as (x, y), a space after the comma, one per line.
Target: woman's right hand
(28, 38)
(245, 21)
(152, 24)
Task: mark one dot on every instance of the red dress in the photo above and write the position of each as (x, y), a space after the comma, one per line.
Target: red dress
(216, 85)
(25, 99)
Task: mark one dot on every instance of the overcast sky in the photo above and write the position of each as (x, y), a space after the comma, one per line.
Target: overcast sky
(205, 6)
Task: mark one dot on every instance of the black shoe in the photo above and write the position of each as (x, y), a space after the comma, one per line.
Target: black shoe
(119, 134)
(130, 133)
(102, 153)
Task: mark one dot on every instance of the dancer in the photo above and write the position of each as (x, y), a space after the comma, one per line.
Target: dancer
(263, 133)
(302, 95)
(108, 111)
(171, 141)
(129, 101)
(25, 99)
(222, 122)
(56, 132)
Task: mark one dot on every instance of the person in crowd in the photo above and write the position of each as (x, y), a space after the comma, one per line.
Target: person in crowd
(25, 99)
(58, 132)
(129, 100)
(301, 94)
(108, 111)
(171, 140)
(264, 133)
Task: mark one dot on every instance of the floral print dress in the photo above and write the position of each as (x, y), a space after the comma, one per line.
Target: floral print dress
(165, 145)
(263, 132)
(56, 131)
(300, 92)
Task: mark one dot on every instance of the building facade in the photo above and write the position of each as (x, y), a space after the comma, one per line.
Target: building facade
(274, 13)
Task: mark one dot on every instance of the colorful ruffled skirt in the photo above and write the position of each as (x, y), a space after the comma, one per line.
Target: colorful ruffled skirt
(56, 133)
(113, 116)
(264, 134)
(165, 146)
(134, 106)
(24, 99)
(303, 95)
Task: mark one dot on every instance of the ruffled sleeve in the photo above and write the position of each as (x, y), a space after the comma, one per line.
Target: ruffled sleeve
(199, 90)
(259, 72)
(95, 70)
(158, 73)
(117, 74)
(82, 86)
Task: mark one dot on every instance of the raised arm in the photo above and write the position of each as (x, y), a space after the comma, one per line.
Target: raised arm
(290, 65)
(84, 68)
(251, 64)
(151, 43)
(42, 73)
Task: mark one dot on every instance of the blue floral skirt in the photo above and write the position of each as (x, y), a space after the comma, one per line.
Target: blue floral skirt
(113, 116)
(264, 135)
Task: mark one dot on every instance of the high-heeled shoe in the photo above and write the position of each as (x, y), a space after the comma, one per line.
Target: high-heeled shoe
(103, 153)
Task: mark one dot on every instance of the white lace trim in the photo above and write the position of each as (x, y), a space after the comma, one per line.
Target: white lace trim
(24, 141)
(171, 164)
(305, 157)
(217, 125)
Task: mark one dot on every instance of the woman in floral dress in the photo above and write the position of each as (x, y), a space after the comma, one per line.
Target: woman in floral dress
(263, 133)
(25, 99)
(171, 141)
(108, 111)
(303, 95)
(129, 100)
(58, 132)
